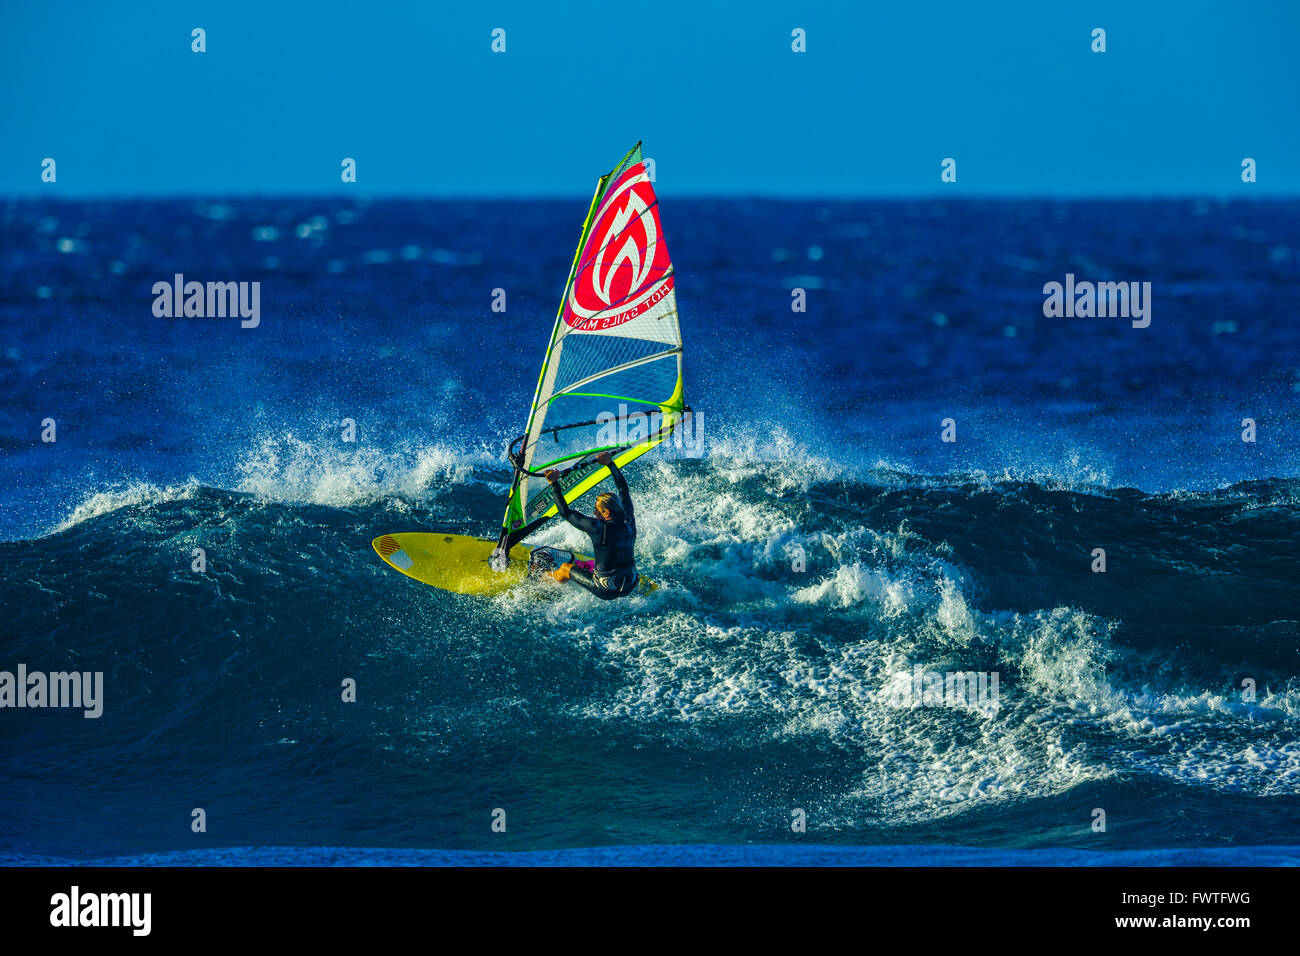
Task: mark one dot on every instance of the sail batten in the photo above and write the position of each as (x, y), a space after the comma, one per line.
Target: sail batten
(612, 376)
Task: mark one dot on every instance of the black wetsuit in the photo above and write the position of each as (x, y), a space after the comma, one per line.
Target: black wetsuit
(611, 544)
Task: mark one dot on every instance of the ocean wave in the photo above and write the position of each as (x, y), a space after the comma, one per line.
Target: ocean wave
(136, 497)
(796, 600)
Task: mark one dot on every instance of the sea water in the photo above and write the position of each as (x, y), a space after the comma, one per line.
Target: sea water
(921, 472)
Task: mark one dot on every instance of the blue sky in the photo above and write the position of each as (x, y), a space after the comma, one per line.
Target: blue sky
(884, 93)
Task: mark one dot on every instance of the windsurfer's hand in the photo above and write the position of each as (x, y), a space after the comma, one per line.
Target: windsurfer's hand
(551, 474)
(605, 458)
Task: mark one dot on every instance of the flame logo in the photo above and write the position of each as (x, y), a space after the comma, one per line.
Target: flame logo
(623, 260)
(630, 252)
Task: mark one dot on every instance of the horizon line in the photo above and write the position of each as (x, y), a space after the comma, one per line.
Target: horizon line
(390, 196)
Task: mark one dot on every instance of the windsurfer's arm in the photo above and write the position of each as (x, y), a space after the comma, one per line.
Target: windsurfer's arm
(553, 477)
(579, 521)
(625, 496)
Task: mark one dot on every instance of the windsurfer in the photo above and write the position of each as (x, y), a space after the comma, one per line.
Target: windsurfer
(612, 531)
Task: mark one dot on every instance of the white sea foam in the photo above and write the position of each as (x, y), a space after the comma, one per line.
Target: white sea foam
(137, 495)
(330, 472)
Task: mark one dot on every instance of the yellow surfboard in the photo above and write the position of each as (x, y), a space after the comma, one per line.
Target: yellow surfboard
(458, 562)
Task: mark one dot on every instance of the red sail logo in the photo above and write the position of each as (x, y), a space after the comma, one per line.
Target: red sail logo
(622, 269)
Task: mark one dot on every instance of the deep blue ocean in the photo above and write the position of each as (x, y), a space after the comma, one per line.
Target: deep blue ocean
(751, 684)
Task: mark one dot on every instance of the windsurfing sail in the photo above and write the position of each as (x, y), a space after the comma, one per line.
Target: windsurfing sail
(612, 377)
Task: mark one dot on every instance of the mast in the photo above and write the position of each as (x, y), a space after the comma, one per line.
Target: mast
(501, 556)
